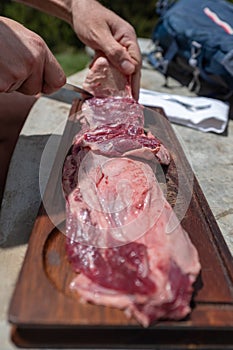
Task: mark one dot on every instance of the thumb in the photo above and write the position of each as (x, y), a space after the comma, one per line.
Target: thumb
(127, 66)
(118, 56)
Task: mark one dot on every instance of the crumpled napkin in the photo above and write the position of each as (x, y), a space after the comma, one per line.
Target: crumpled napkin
(214, 118)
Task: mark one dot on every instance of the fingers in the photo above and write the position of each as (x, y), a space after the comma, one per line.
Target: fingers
(127, 60)
(104, 31)
(122, 60)
(118, 56)
(135, 84)
(27, 66)
(32, 83)
(54, 76)
(46, 77)
(121, 48)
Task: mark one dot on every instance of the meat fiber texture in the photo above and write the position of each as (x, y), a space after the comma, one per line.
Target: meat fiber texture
(117, 215)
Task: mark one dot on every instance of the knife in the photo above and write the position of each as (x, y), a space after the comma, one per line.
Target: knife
(70, 92)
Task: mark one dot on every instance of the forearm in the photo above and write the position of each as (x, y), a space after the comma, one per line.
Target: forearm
(59, 8)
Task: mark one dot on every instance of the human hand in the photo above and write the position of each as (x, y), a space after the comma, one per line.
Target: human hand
(26, 63)
(104, 31)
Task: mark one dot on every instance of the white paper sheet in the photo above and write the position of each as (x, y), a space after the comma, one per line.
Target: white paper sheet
(214, 118)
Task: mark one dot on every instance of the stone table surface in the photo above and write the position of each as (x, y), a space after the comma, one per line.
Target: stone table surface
(210, 156)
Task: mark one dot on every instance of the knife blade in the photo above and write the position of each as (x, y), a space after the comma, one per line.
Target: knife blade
(68, 93)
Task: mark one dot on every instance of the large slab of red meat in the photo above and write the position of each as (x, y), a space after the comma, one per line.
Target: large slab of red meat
(117, 215)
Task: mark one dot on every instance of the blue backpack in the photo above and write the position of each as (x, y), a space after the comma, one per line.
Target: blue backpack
(194, 43)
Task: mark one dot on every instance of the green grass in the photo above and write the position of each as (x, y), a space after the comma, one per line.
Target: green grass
(72, 60)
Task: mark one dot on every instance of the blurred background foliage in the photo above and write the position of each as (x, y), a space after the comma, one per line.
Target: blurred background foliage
(58, 34)
(60, 37)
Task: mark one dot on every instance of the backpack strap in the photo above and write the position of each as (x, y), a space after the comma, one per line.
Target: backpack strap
(156, 57)
(195, 83)
(198, 71)
(160, 61)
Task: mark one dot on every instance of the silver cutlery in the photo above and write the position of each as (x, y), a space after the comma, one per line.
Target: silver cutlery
(189, 106)
(68, 93)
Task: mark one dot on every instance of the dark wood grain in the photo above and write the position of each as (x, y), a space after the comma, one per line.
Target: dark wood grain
(44, 311)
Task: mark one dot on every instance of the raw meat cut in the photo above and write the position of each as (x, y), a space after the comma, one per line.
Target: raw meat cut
(117, 214)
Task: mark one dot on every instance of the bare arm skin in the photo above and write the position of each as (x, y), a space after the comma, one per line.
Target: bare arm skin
(102, 30)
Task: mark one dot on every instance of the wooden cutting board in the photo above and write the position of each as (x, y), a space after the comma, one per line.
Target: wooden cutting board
(45, 313)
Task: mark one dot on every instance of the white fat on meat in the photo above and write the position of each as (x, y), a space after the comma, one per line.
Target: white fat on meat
(120, 245)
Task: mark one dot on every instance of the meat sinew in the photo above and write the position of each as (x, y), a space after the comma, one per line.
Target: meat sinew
(117, 214)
